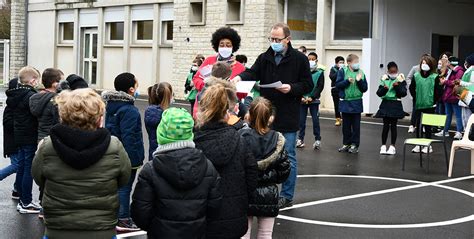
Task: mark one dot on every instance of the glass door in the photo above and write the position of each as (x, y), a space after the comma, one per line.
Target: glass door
(89, 56)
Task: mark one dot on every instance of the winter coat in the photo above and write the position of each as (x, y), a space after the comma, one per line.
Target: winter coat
(175, 193)
(198, 79)
(293, 70)
(333, 76)
(342, 84)
(25, 124)
(123, 121)
(152, 119)
(43, 107)
(227, 151)
(273, 168)
(80, 172)
(9, 146)
(454, 75)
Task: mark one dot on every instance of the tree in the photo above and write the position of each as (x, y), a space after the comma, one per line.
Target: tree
(5, 16)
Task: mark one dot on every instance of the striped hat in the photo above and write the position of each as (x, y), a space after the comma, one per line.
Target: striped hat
(176, 125)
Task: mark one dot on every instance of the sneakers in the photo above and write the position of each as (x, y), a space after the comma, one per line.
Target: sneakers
(458, 136)
(15, 195)
(31, 208)
(338, 122)
(425, 150)
(391, 150)
(440, 134)
(416, 149)
(284, 203)
(383, 150)
(299, 143)
(411, 129)
(354, 149)
(317, 145)
(344, 148)
(126, 225)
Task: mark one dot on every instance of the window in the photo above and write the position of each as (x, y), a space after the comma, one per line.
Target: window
(301, 18)
(197, 10)
(167, 32)
(235, 11)
(143, 31)
(115, 32)
(352, 19)
(66, 32)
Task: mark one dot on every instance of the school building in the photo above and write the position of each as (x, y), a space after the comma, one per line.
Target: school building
(157, 39)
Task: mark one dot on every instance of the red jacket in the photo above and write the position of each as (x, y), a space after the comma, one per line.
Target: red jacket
(198, 80)
(456, 74)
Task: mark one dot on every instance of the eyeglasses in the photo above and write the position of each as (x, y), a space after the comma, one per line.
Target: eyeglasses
(276, 40)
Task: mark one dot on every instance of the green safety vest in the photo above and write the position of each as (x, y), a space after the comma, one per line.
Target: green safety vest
(352, 92)
(391, 94)
(315, 76)
(467, 78)
(193, 92)
(425, 91)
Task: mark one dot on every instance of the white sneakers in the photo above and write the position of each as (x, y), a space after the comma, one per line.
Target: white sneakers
(458, 136)
(383, 150)
(391, 150)
(411, 129)
(424, 150)
(440, 134)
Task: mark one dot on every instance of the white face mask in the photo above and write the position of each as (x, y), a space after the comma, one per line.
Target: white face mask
(393, 76)
(225, 52)
(440, 66)
(425, 67)
(312, 64)
(194, 68)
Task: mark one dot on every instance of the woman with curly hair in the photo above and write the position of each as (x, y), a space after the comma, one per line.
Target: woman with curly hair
(225, 41)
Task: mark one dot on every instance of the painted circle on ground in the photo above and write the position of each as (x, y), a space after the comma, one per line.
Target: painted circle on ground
(416, 184)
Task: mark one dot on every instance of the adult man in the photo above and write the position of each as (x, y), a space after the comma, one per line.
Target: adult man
(281, 62)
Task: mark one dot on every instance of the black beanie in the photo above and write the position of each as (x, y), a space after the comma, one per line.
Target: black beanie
(76, 82)
(13, 83)
(124, 81)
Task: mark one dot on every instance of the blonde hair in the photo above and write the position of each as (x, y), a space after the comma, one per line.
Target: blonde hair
(229, 88)
(213, 105)
(260, 115)
(160, 94)
(352, 57)
(28, 73)
(81, 108)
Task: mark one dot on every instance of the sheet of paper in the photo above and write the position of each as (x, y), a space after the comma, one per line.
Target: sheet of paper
(272, 85)
(245, 86)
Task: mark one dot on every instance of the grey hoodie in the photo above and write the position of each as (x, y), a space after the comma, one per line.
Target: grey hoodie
(43, 107)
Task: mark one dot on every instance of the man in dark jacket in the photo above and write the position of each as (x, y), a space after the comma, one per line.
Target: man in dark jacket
(123, 120)
(179, 188)
(282, 63)
(25, 134)
(334, 91)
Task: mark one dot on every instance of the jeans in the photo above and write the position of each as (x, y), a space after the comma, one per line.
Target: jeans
(450, 108)
(314, 110)
(25, 182)
(12, 168)
(351, 129)
(124, 197)
(265, 227)
(288, 187)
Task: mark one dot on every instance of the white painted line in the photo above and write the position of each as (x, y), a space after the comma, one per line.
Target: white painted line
(131, 234)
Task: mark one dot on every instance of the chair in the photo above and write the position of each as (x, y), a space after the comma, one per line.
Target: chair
(464, 143)
(428, 120)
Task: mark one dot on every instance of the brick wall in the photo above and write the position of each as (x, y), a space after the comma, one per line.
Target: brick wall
(18, 37)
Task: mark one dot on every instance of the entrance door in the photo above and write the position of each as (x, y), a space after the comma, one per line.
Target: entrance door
(440, 44)
(89, 55)
(466, 47)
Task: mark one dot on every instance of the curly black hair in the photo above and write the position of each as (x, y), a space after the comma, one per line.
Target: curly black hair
(226, 33)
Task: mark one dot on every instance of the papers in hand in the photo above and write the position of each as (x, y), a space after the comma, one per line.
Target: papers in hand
(244, 86)
(277, 84)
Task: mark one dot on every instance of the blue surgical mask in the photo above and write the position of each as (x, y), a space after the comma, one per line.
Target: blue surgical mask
(277, 47)
(355, 66)
(136, 94)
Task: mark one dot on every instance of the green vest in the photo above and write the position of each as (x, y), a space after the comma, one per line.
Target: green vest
(193, 92)
(425, 91)
(255, 93)
(315, 76)
(352, 92)
(467, 78)
(391, 94)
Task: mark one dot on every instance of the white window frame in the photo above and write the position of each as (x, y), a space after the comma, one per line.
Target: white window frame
(135, 33)
(108, 33)
(89, 59)
(142, 13)
(242, 11)
(113, 15)
(204, 13)
(308, 43)
(164, 33)
(333, 25)
(61, 39)
(166, 15)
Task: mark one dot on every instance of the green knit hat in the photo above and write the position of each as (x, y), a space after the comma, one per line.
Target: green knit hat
(176, 125)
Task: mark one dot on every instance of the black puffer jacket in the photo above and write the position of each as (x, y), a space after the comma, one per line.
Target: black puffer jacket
(9, 146)
(225, 148)
(25, 125)
(175, 192)
(273, 169)
(43, 107)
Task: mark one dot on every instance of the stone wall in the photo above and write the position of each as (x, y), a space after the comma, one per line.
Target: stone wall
(18, 37)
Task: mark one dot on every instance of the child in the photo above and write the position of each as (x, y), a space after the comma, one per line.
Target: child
(273, 166)
(426, 90)
(392, 88)
(189, 85)
(25, 135)
(224, 147)
(311, 101)
(179, 187)
(80, 166)
(122, 119)
(334, 91)
(352, 84)
(160, 96)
